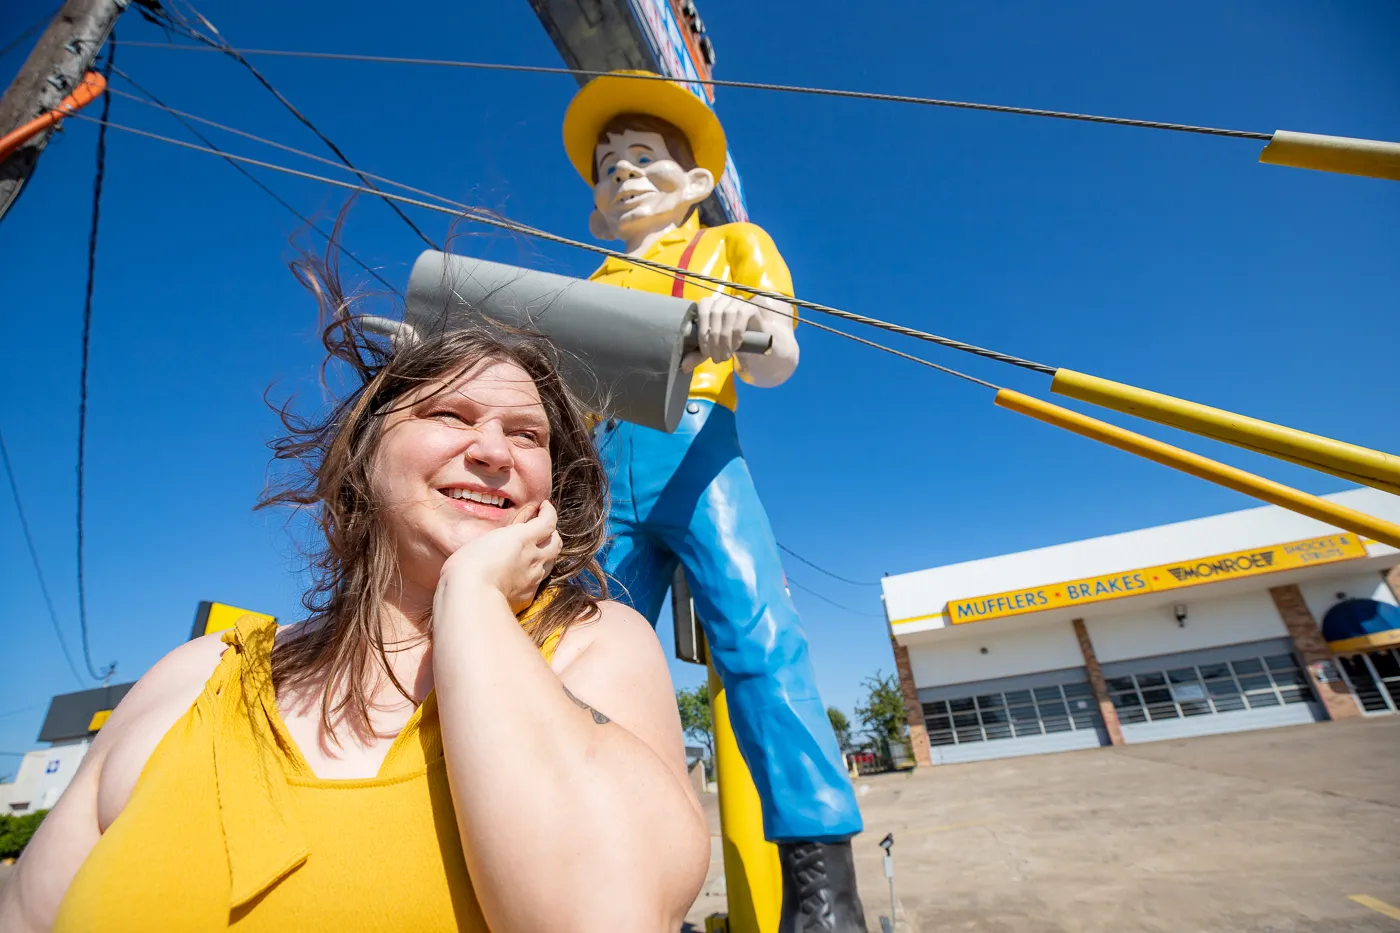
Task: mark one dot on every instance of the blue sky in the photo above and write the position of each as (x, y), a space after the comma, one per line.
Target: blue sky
(1171, 261)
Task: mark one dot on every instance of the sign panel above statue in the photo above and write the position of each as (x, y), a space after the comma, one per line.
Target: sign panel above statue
(651, 152)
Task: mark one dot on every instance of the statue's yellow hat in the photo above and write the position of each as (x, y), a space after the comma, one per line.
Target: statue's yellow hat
(606, 96)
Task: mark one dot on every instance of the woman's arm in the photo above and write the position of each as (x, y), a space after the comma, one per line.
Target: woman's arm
(31, 897)
(569, 789)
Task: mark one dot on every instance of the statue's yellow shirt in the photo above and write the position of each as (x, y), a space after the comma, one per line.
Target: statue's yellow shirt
(741, 252)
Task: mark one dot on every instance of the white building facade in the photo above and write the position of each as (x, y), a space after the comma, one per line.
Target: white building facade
(1239, 621)
(43, 775)
(70, 725)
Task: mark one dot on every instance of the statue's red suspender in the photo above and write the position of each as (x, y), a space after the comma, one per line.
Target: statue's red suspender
(677, 290)
(678, 285)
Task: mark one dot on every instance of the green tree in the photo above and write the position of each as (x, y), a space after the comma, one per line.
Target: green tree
(882, 716)
(16, 831)
(842, 727)
(694, 706)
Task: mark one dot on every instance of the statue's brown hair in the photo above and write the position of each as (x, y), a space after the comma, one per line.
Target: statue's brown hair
(676, 141)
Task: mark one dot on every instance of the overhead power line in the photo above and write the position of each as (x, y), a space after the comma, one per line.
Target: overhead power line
(219, 44)
(184, 119)
(482, 217)
(751, 85)
(34, 558)
(87, 335)
(828, 600)
(821, 569)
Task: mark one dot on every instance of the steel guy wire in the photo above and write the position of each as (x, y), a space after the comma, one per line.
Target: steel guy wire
(465, 211)
(477, 215)
(751, 85)
(708, 283)
(184, 117)
(219, 44)
(339, 166)
(34, 558)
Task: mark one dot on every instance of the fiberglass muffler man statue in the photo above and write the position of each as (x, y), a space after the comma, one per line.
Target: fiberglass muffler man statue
(652, 152)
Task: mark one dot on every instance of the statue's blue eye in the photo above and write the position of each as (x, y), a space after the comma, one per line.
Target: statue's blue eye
(610, 169)
(643, 160)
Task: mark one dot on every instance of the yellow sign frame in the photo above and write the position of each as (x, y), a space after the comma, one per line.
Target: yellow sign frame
(1231, 565)
(213, 617)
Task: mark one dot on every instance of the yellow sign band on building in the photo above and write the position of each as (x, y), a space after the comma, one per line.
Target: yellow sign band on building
(213, 617)
(1229, 566)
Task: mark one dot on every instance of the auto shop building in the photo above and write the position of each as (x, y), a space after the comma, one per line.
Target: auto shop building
(1239, 621)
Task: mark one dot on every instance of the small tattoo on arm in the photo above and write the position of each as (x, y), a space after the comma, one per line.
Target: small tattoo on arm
(598, 717)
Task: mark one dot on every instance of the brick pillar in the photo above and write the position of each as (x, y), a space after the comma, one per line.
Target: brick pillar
(1096, 682)
(1316, 656)
(913, 711)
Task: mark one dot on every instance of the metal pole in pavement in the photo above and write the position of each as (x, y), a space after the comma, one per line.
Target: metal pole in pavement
(888, 845)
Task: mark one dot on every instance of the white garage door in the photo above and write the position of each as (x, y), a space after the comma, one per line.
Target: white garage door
(1028, 715)
(1230, 689)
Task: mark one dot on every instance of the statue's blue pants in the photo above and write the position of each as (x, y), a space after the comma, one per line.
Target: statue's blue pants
(689, 497)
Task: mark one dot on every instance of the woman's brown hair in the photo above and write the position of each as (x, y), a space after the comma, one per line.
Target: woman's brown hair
(353, 566)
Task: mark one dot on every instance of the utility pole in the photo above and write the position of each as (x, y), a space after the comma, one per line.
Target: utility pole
(64, 54)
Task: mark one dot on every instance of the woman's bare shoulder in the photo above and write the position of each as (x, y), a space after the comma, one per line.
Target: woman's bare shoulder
(162, 695)
(177, 677)
(616, 629)
(103, 784)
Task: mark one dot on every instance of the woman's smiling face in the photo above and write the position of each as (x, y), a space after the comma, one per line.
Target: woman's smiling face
(459, 459)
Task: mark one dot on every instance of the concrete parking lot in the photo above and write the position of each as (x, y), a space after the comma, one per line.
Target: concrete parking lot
(1262, 832)
(1267, 832)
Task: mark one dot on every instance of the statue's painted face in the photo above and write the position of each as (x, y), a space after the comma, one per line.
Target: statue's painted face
(641, 188)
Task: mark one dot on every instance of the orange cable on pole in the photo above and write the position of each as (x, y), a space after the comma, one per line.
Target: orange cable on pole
(1203, 467)
(91, 88)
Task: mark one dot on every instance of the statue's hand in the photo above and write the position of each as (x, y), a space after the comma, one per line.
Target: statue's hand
(720, 323)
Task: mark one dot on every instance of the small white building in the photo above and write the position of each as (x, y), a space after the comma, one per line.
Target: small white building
(1247, 620)
(43, 775)
(72, 721)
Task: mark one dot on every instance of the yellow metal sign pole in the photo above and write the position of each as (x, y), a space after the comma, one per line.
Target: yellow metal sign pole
(752, 875)
(1348, 461)
(1203, 467)
(1370, 158)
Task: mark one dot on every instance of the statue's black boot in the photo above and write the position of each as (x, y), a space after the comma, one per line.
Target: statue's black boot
(819, 889)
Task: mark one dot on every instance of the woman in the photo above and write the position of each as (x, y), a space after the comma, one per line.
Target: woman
(463, 735)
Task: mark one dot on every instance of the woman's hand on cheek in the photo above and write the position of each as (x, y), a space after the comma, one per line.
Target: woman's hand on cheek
(512, 560)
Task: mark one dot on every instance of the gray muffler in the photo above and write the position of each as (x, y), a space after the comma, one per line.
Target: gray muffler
(620, 349)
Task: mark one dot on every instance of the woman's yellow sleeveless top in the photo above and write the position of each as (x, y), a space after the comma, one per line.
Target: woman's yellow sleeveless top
(229, 829)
